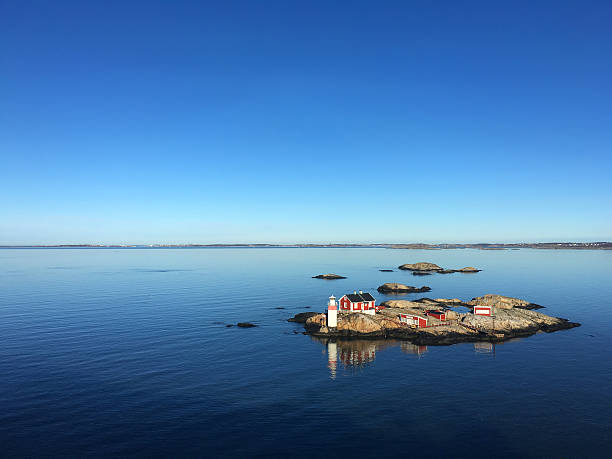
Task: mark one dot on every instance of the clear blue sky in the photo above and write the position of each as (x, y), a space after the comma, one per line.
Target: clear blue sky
(260, 121)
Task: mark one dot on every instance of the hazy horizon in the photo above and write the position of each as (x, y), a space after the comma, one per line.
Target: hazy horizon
(302, 243)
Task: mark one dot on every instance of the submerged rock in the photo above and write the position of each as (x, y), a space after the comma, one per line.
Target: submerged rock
(245, 325)
(421, 266)
(503, 302)
(386, 270)
(421, 273)
(328, 276)
(394, 287)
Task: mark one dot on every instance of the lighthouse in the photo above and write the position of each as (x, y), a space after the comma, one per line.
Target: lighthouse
(332, 312)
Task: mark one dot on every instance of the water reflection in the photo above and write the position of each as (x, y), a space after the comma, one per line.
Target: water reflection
(413, 349)
(484, 347)
(355, 354)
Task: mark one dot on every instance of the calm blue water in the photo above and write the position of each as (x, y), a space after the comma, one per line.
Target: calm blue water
(125, 352)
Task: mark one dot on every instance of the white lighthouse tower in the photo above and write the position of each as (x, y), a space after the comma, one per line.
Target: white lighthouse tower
(332, 312)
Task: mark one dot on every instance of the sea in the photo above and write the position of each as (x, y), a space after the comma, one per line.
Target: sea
(135, 352)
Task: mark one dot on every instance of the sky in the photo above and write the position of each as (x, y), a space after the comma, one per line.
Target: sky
(283, 122)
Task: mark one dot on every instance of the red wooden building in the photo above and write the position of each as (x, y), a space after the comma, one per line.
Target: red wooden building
(414, 319)
(483, 310)
(358, 302)
(441, 315)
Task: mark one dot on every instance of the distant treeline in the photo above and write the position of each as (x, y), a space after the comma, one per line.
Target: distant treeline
(480, 246)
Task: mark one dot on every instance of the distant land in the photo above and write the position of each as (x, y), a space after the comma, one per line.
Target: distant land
(420, 246)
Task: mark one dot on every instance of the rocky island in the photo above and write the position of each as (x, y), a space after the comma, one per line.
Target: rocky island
(444, 322)
(394, 287)
(328, 276)
(424, 268)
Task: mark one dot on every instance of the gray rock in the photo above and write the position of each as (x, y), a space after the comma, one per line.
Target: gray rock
(394, 287)
(421, 266)
(502, 302)
(328, 276)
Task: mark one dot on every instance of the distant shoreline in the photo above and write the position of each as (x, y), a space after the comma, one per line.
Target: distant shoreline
(480, 246)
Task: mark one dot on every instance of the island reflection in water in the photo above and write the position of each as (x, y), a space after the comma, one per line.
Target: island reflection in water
(360, 353)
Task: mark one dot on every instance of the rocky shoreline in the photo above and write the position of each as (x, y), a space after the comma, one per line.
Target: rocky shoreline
(512, 318)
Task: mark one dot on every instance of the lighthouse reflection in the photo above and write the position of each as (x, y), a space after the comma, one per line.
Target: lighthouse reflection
(357, 354)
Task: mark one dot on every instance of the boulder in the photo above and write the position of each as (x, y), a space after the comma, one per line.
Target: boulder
(421, 266)
(394, 287)
(502, 302)
(328, 276)
(451, 315)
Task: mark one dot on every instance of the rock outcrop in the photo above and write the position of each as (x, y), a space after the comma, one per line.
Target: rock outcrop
(328, 276)
(394, 287)
(421, 266)
(502, 302)
(400, 304)
(450, 301)
(359, 323)
(469, 269)
(302, 317)
(515, 321)
(316, 321)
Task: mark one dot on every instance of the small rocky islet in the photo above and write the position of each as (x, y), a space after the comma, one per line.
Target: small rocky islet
(511, 318)
(329, 276)
(394, 287)
(424, 268)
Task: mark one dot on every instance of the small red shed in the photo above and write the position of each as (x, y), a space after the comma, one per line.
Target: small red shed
(441, 315)
(483, 310)
(414, 319)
